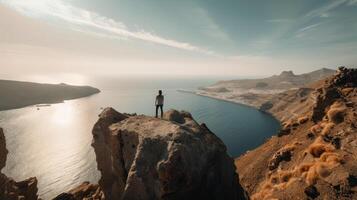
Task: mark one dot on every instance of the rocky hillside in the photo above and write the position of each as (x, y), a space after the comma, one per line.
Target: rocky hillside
(286, 80)
(142, 157)
(10, 189)
(16, 94)
(314, 155)
(254, 92)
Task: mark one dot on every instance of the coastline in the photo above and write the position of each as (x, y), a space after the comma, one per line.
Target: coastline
(44, 104)
(242, 103)
(19, 94)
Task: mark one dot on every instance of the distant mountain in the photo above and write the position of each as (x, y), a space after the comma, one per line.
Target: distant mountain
(286, 80)
(17, 94)
(314, 154)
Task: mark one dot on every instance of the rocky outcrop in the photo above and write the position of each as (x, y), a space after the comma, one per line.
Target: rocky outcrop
(84, 191)
(330, 91)
(10, 189)
(142, 157)
(314, 157)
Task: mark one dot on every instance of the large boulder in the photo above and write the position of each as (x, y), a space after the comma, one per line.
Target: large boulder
(142, 157)
(10, 189)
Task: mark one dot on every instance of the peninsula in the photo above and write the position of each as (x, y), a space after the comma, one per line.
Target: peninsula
(18, 94)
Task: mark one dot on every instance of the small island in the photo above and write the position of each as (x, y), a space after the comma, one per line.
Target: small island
(18, 94)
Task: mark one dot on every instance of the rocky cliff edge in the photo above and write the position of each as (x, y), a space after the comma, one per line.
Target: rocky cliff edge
(142, 157)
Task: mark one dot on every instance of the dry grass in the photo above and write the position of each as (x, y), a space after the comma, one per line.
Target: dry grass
(347, 91)
(286, 125)
(325, 160)
(336, 112)
(279, 181)
(316, 129)
(302, 120)
(319, 147)
(327, 127)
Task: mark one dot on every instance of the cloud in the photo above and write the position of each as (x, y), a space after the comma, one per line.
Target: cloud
(307, 28)
(278, 20)
(83, 19)
(352, 2)
(211, 28)
(322, 11)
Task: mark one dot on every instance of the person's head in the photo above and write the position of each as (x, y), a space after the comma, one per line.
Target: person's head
(160, 92)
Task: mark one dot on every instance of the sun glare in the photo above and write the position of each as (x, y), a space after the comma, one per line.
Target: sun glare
(63, 114)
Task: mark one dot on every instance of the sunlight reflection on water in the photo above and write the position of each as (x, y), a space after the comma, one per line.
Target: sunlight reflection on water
(54, 143)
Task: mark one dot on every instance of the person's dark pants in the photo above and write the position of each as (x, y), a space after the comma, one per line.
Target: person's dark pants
(157, 108)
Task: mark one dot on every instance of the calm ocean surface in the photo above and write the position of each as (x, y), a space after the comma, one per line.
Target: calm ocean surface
(53, 143)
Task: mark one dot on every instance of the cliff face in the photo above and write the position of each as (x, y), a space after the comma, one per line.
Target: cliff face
(142, 157)
(10, 189)
(314, 156)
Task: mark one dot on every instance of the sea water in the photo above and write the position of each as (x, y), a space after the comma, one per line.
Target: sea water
(53, 143)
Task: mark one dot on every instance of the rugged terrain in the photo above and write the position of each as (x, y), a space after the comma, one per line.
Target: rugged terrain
(142, 157)
(255, 92)
(314, 155)
(16, 94)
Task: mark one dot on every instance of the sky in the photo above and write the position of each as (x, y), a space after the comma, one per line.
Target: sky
(78, 38)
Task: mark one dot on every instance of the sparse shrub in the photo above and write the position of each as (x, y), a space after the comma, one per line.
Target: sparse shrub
(312, 175)
(336, 112)
(327, 127)
(347, 91)
(331, 158)
(318, 148)
(316, 129)
(303, 120)
(303, 168)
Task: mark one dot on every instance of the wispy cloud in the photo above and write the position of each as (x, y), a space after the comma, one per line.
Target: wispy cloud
(302, 32)
(278, 20)
(211, 28)
(323, 11)
(326, 8)
(84, 19)
(352, 2)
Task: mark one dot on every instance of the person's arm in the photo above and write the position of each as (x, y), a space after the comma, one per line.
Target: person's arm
(156, 101)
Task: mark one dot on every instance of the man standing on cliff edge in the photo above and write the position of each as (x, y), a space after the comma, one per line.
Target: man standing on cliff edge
(159, 103)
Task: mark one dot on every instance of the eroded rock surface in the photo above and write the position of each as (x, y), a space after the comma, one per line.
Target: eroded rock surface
(85, 191)
(315, 158)
(10, 189)
(142, 157)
